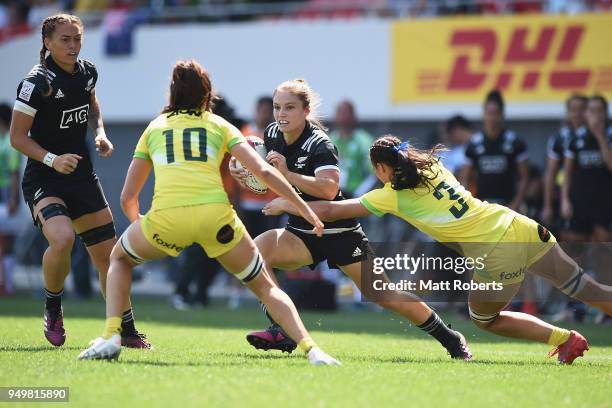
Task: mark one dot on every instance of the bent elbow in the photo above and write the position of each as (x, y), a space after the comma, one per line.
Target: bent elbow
(15, 141)
(331, 193)
(125, 200)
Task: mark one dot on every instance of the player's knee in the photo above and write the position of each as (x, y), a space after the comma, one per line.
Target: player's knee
(252, 270)
(61, 238)
(98, 234)
(123, 251)
(483, 320)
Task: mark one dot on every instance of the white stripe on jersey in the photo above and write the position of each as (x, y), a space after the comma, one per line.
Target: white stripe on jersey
(38, 69)
(326, 167)
(316, 137)
(273, 131)
(24, 108)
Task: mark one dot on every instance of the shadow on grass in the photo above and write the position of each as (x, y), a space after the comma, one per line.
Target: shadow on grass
(35, 349)
(227, 360)
(249, 317)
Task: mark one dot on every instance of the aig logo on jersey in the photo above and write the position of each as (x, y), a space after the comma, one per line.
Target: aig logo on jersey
(76, 116)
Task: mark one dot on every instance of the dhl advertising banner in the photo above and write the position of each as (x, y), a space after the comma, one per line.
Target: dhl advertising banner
(535, 58)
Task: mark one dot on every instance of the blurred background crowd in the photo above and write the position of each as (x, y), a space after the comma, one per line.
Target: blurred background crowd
(517, 164)
(19, 17)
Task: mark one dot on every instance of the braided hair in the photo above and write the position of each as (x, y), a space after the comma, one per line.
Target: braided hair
(48, 28)
(411, 167)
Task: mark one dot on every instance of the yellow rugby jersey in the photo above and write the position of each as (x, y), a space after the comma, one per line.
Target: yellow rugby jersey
(445, 210)
(186, 150)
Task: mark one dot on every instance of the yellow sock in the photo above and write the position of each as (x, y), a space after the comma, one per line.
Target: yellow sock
(558, 336)
(113, 326)
(306, 344)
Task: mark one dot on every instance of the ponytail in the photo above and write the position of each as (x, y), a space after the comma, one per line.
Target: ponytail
(411, 167)
(43, 62)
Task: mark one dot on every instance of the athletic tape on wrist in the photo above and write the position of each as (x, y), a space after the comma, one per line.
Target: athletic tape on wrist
(49, 158)
(100, 132)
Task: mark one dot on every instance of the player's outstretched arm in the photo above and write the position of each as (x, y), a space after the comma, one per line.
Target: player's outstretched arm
(134, 181)
(21, 124)
(274, 179)
(326, 210)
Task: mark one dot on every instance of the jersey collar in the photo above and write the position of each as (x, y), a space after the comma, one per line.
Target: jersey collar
(300, 140)
(57, 69)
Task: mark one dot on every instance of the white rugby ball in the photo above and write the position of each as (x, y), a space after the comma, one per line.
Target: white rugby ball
(251, 182)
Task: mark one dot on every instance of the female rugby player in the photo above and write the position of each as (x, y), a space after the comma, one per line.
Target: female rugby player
(185, 146)
(300, 149)
(419, 190)
(56, 102)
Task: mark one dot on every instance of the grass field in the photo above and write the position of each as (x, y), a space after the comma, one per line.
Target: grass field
(202, 359)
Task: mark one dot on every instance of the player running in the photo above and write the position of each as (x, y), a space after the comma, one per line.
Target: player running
(300, 149)
(185, 146)
(419, 190)
(56, 102)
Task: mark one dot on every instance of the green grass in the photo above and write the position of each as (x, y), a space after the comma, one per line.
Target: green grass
(201, 359)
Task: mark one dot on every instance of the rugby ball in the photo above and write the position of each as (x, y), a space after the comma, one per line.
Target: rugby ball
(251, 182)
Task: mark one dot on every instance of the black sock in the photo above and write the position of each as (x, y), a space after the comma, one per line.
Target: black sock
(435, 327)
(272, 321)
(53, 300)
(127, 323)
(265, 310)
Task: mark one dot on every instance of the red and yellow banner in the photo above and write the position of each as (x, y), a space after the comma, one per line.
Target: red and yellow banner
(530, 58)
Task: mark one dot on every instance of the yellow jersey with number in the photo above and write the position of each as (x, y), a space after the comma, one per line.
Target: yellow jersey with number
(186, 149)
(444, 209)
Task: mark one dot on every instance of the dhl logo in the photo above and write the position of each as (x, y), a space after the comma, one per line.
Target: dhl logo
(565, 76)
(527, 57)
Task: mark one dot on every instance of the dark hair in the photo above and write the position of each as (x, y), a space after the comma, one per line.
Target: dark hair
(458, 121)
(601, 100)
(496, 97)
(575, 97)
(49, 25)
(411, 166)
(190, 88)
(5, 114)
(265, 100)
(221, 107)
(348, 103)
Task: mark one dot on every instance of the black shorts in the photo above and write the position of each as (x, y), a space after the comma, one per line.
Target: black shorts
(340, 249)
(588, 214)
(81, 197)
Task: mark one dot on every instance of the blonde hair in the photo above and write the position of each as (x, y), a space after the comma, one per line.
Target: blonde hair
(310, 99)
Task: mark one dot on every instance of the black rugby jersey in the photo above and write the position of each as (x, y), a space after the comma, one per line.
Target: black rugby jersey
(313, 151)
(60, 119)
(557, 143)
(592, 180)
(495, 162)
